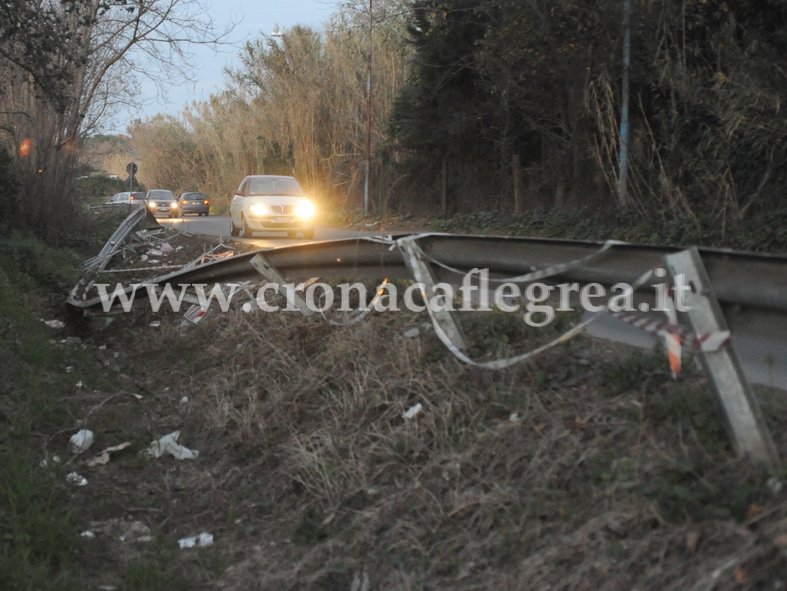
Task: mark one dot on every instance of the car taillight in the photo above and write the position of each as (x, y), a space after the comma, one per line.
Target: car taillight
(131, 198)
(184, 202)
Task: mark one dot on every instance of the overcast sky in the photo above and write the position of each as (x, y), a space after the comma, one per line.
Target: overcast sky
(253, 17)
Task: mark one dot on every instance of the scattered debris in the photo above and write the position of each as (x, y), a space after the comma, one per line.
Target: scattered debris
(169, 445)
(204, 539)
(87, 534)
(412, 411)
(196, 313)
(54, 323)
(155, 324)
(103, 457)
(81, 441)
(412, 333)
(775, 485)
(71, 341)
(45, 461)
(76, 479)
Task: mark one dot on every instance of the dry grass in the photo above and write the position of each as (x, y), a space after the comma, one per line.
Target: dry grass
(559, 474)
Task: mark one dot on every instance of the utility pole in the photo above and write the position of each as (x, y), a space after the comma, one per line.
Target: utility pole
(368, 116)
(624, 115)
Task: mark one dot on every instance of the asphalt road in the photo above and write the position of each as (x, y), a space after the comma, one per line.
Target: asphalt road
(220, 226)
(764, 361)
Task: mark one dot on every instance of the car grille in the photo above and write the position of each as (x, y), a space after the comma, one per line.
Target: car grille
(282, 208)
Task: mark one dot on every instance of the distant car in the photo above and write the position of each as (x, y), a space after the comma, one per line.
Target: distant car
(194, 203)
(125, 198)
(266, 203)
(162, 201)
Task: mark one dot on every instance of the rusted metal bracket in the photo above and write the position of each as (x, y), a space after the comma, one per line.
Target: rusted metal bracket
(744, 421)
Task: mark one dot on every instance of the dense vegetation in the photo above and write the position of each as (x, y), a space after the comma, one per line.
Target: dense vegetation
(477, 102)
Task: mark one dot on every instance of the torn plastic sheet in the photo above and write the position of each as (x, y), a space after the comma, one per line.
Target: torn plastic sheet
(169, 445)
(412, 411)
(81, 441)
(76, 479)
(54, 323)
(103, 457)
(204, 539)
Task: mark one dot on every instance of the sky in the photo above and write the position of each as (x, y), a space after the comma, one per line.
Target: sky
(253, 17)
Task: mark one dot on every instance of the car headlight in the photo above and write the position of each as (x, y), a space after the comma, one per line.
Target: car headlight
(174, 204)
(305, 210)
(259, 209)
(152, 204)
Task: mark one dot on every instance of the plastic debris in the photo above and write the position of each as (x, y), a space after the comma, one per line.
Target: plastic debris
(76, 479)
(169, 445)
(55, 323)
(87, 534)
(71, 340)
(204, 539)
(412, 333)
(70, 369)
(81, 441)
(80, 384)
(154, 252)
(45, 461)
(360, 582)
(412, 411)
(103, 457)
(166, 249)
(196, 313)
(184, 400)
(155, 324)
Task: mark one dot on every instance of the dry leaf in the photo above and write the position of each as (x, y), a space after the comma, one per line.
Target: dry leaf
(692, 537)
(753, 510)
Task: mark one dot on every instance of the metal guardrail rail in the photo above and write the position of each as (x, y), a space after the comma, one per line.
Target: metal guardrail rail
(743, 292)
(751, 288)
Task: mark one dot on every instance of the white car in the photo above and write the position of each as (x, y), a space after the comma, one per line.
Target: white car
(267, 203)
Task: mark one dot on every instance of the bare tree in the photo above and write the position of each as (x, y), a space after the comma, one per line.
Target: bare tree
(63, 62)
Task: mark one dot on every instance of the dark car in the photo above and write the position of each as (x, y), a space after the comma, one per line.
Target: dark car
(162, 201)
(194, 203)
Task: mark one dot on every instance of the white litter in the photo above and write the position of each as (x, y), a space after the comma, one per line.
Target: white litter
(204, 539)
(412, 411)
(166, 249)
(81, 441)
(184, 400)
(154, 252)
(155, 324)
(103, 457)
(55, 323)
(70, 369)
(412, 333)
(80, 384)
(169, 445)
(76, 479)
(87, 534)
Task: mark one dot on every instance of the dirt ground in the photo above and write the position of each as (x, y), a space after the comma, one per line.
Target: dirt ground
(586, 468)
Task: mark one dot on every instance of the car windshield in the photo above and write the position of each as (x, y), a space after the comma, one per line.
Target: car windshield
(193, 196)
(274, 186)
(160, 194)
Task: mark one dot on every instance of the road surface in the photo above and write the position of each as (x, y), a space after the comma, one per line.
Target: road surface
(220, 226)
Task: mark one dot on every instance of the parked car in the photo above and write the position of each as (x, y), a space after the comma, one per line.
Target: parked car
(266, 203)
(125, 198)
(194, 203)
(162, 201)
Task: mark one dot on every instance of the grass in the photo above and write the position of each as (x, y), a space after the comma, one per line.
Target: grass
(764, 232)
(582, 468)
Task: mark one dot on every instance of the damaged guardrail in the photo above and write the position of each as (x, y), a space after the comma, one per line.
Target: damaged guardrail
(743, 291)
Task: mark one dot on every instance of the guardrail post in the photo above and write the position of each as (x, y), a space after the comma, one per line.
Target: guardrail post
(745, 424)
(422, 273)
(260, 263)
